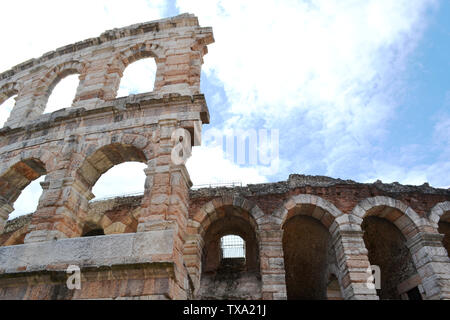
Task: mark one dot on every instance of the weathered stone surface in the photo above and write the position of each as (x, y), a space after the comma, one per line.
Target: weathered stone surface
(165, 244)
(100, 251)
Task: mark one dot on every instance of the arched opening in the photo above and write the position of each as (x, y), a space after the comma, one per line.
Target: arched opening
(13, 182)
(230, 257)
(104, 159)
(387, 250)
(232, 247)
(307, 255)
(28, 199)
(6, 108)
(138, 77)
(111, 171)
(62, 93)
(232, 252)
(126, 178)
(444, 228)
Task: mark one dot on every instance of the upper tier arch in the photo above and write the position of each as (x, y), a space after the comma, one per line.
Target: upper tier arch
(178, 45)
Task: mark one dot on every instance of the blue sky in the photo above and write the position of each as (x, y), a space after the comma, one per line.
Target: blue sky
(356, 89)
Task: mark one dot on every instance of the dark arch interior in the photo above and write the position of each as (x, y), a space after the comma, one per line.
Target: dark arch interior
(306, 247)
(20, 175)
(105, 158)
(93, 232)
(444, 228)
(386, 246)
(232, 278)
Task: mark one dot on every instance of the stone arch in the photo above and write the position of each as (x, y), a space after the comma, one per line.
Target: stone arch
(206, 217)
(18, 176)
(124, 58)
(53, 77)
(305, 220)
(8, 90)
(14, 180)
(48, 159)
(113, 220)
(395, 211)
(389, 227)
(17, 237)
(100, 159)
(324, 211)
(137, 52)
(207, 213)
(439, 217)
(438, 211)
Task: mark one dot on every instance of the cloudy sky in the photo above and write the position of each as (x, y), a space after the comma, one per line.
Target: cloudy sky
(350, 89)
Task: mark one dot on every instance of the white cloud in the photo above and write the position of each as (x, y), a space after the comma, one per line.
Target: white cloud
(441, 134)
(335, 66)
(209, 165)
(324, 73)
(28, 200)
(46, 25)
(63, 94)
(414, 175)
(139, 77)
(124, 178)
(5, 109)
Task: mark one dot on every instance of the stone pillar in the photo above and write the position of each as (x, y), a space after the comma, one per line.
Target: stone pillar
(5, 210)
(166, 201)
(272, 264)
(94, 82)
(23, 110)
(193, 245)
(353, 262)
(62, 206)
(432, 264)
(64, 200)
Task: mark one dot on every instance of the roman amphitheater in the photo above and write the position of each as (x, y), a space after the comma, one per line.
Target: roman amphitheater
(309, 237)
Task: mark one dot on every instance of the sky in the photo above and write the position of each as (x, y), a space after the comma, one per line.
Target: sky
(344, 88)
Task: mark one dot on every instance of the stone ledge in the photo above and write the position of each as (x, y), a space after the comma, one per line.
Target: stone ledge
(108, 250)
(109, 36)
(116, 107)
(116, 272)
(299, 180)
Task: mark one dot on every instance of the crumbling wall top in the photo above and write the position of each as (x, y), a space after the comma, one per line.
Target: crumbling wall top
(177, 44)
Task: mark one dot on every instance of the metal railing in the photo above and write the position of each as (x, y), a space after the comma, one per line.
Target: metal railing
(140, 193)
(119, 195)
(216, 185)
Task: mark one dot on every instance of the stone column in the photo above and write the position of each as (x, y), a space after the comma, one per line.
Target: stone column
(353, 262)
(432, 264)
(5, 210)
(62, 206)
(64, 200)
(95, 82)
(23, 109)
(166, 201)
(272, 263)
